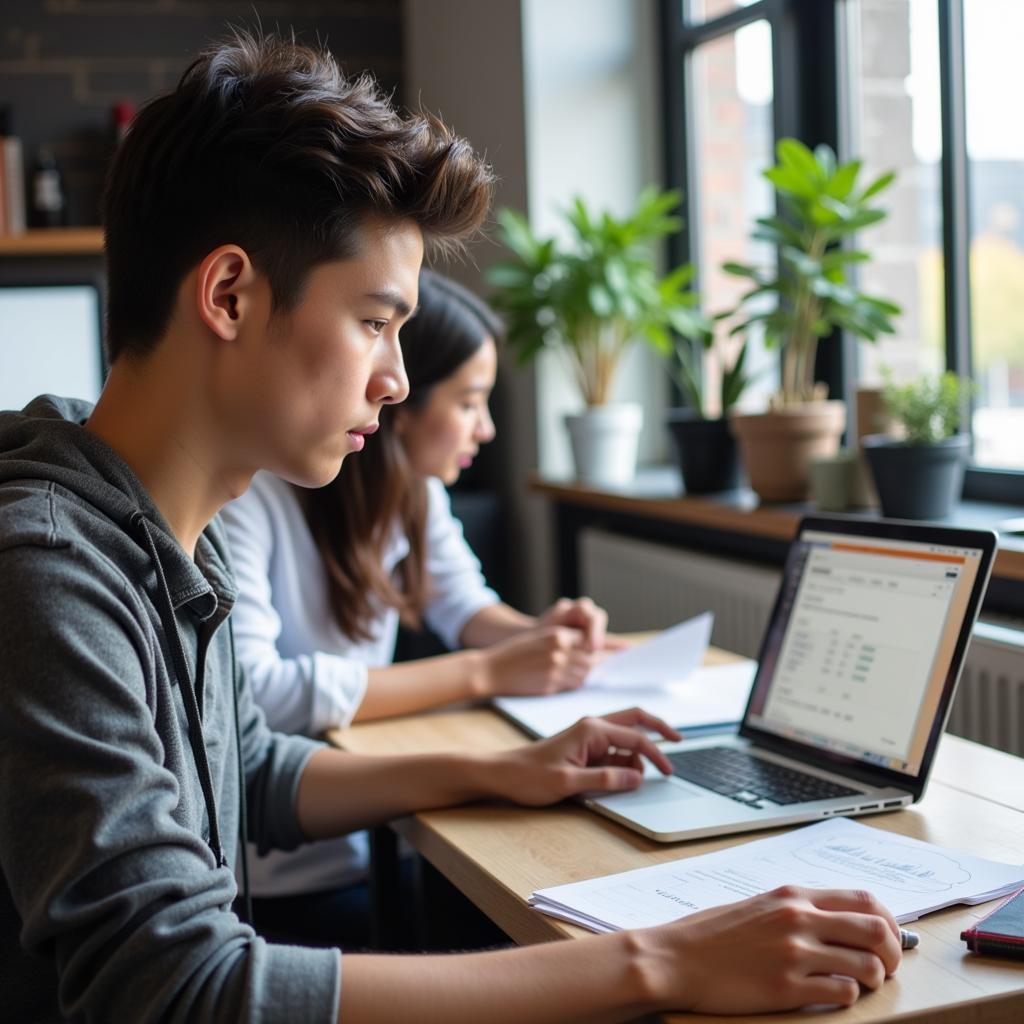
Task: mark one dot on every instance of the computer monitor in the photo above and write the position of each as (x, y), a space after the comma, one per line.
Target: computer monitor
(50, 341)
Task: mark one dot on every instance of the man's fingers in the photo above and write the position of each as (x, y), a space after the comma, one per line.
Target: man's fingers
(825, 990)
(861, 931)
(865, 968)
(626, 760)
(625, 739)
(853, 900)
(605, 779)
(644, 719)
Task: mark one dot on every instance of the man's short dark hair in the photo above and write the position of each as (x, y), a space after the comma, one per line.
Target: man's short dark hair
(265, 144)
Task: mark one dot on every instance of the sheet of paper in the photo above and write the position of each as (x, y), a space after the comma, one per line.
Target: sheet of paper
(711, 696)
(668, 657)
(909, 876)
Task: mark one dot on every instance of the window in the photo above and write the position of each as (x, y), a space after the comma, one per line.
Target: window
(925, 87)
(895, 124)
(995, 150)
(707, 10)
(732, 118)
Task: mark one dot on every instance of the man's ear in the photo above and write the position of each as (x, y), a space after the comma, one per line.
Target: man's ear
(225, 290)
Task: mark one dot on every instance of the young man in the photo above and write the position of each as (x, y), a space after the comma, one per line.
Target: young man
(265, 227)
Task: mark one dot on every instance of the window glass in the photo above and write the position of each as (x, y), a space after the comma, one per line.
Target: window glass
(995, 148)
(732, 111)
(696, 11)
(895, 124)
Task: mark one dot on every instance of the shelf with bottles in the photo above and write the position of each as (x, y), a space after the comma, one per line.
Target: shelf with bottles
(80, 241)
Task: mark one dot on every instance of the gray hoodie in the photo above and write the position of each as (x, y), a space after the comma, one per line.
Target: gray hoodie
(117, 834)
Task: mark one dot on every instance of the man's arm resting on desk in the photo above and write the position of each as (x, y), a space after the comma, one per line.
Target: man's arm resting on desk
(777, 951)
(780, 951)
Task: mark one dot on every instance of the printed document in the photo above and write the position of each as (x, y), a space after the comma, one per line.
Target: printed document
(662, 675)
(908, 876)
(668, 657)
(709, 699)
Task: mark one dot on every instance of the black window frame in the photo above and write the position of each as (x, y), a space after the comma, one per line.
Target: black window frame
(811, 80)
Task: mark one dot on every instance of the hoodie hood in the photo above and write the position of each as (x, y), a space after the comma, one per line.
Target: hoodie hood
(46, 441)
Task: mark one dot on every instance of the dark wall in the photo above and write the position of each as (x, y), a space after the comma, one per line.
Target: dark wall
(65, 63)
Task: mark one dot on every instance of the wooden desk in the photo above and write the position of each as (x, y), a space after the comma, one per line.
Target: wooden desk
(498, 854)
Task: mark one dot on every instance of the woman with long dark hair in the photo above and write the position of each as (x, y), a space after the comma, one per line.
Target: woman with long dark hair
(325, 576)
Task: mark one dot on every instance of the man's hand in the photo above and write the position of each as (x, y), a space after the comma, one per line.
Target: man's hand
(595, 755)
(588, 618)
(782, 950)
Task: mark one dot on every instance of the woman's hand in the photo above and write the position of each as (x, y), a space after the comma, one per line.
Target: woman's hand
(781, 950)
(537, 661)
(588, 618)
(594, 755)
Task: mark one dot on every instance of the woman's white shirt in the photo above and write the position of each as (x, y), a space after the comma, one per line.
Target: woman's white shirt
(305, 673)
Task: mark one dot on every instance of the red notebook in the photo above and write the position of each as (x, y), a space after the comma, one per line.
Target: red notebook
(1000, 932)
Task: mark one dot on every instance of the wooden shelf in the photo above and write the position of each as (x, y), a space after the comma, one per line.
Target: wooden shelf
(657, 496)
(54, 242)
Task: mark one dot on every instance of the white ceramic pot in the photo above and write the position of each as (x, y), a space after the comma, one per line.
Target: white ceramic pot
(604, 443)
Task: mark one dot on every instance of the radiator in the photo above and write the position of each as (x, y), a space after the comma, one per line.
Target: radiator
(651, 586)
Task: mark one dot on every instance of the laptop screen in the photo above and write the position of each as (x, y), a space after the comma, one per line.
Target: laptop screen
(861, 643)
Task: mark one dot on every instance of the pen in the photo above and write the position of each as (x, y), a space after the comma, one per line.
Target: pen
(908, 939)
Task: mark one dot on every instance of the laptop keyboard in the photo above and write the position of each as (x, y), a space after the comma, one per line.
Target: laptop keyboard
(751, 780)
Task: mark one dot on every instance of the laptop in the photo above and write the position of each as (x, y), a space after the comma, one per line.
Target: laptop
(855, 679)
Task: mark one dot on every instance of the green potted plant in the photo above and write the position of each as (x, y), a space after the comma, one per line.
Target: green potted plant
(802, 298)
(704, 444)
(919, 474)
(591, 298)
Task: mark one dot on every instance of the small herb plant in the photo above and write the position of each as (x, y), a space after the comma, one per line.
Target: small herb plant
(599, 293)
(928, 409)
(821, 204)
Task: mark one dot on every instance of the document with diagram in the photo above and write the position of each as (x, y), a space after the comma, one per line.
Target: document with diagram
(908, 876)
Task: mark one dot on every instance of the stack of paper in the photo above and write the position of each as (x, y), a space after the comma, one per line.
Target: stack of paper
(908, 876)
(661, 675)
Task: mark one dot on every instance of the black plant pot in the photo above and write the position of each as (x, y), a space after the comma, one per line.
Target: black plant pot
(917, 481)
(706, 452)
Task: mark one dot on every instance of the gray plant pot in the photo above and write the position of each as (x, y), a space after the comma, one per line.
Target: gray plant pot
(922, 481)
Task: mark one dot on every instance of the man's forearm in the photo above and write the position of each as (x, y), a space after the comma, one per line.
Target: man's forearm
(341, 792)
(605, 978)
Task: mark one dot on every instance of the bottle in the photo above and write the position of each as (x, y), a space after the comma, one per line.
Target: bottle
(121, 118)
(48, 209)
(12, 177)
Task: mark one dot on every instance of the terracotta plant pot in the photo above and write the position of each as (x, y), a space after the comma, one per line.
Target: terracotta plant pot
(777, 447)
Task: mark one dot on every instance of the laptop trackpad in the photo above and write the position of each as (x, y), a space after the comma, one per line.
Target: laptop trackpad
(655, 791)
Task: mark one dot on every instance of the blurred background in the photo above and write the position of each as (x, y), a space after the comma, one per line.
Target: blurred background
(596, 98)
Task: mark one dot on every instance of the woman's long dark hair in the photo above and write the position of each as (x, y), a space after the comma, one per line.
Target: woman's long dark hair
(352, 517)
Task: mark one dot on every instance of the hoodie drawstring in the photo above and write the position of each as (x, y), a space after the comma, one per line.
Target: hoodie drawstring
(185, 684)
